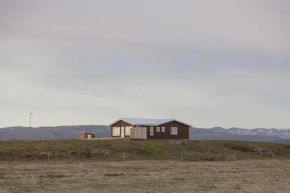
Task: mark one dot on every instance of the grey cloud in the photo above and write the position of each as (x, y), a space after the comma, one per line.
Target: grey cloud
(215, 62)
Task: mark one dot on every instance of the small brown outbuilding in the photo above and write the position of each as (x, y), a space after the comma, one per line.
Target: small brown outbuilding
(86, 135)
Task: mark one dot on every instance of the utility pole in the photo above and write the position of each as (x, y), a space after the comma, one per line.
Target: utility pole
(30, 124)
(30, 118)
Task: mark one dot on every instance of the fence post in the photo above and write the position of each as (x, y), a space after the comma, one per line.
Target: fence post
(124, 156)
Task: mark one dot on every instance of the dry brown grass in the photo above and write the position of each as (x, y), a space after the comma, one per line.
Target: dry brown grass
(112, 150)
(267, 176)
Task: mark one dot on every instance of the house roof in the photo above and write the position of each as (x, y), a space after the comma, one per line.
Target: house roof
(147, 122)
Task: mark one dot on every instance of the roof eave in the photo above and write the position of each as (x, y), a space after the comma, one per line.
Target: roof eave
(121, 120)
(150, 125)
(147, 125)
(176, 121)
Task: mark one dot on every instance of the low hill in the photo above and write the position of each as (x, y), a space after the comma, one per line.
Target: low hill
(51, 133)
(102, 131)
(219, 133)
(113, 150)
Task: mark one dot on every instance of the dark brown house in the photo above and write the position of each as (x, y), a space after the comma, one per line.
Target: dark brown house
(86, 135)
(136, 128)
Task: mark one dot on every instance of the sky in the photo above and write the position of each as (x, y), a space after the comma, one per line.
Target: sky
(205, 62)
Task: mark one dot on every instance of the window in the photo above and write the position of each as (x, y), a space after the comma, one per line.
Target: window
(163, 129)
(157, 129)
(173, 130)
(151, 131)
(116, 131)
(128, 130)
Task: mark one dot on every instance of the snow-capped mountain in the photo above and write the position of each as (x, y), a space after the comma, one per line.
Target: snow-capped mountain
(282, 133)
(259, 134)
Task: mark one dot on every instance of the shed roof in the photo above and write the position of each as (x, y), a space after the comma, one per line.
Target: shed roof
(85, 132)
(148, 122)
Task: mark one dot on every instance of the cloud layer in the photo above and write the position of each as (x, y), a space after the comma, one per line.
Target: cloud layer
(209, 63)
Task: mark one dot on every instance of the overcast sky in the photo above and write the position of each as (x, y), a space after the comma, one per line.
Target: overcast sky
(205, 62)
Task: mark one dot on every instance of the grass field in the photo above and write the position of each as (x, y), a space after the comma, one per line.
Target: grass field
(113, 150)
(86, 166)
(267, 176)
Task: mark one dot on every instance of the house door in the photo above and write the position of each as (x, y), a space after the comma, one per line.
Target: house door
(89, 136)
(122, 132)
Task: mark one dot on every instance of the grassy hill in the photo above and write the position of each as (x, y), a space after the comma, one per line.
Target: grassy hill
(113, 150)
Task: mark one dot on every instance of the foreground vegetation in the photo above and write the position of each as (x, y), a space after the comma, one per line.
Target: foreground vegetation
(85, 166)
(255, 176)
(117, 150)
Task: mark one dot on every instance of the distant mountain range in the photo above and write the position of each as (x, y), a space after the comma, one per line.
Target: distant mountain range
(216, 133)
(49, 133)
(260, 134)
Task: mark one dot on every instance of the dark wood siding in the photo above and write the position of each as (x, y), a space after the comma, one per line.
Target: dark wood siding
(183, 131)
(92, 135)
(119, 124)
(84, 135)
(81, 135)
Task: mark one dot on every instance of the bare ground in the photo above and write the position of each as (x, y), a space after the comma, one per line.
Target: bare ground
(267, 176)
